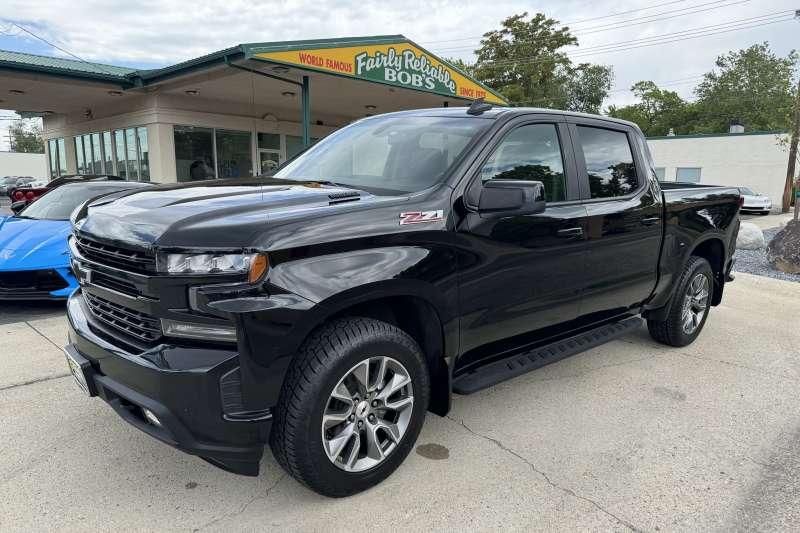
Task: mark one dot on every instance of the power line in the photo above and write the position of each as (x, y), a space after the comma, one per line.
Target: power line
(623, 23)
(29, 32)
(666, 38)
(571, 22)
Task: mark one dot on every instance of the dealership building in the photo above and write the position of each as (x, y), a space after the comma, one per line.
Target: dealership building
(757, 159)
(234, 113)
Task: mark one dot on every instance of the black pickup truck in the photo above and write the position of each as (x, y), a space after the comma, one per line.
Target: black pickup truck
(326, 308)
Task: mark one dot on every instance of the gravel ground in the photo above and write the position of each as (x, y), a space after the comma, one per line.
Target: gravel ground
(755, 261)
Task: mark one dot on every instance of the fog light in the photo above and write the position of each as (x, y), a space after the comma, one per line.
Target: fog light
(151, 417)
(193, 330)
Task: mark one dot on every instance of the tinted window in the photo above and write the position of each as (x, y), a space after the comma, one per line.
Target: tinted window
(530, 153)
(609, 162)
(59, 203)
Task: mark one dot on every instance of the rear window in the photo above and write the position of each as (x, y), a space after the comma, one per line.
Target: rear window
(59, 203)
(609, 162)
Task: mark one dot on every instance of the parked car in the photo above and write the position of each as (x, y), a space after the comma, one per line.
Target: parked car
(12, 182)
(34, 257)
(5, 182)
(23, 194)
(755, 202)
(326, 308)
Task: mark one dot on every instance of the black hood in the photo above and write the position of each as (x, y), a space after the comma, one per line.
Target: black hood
(219, 214)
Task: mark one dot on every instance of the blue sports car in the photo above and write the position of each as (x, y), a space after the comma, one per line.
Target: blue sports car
(34, 258)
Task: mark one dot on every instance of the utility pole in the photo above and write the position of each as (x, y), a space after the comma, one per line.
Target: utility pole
(790, 168)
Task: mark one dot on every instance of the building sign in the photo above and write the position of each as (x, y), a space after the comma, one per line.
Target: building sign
(402, 64)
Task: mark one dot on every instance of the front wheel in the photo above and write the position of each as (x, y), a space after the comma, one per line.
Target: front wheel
(351, 406)
(689, 307)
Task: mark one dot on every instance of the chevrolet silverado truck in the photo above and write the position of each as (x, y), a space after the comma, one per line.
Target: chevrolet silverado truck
(325, 308)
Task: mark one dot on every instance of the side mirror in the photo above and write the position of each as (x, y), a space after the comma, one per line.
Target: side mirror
(511, 197)
(16, 207)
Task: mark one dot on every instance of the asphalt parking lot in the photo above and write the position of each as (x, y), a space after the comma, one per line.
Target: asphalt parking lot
(631, 435)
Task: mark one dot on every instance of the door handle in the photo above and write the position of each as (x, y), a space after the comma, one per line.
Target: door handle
(570, 232)
(652, 221)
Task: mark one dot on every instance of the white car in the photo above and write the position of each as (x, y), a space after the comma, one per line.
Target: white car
(754, 202)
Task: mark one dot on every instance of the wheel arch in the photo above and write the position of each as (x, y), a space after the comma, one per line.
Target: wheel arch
(416, 313)
(712, 249)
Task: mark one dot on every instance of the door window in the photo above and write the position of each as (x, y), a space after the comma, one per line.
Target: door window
(609, 162)
(530, 153)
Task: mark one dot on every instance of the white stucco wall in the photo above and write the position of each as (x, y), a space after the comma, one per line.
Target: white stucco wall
(755, 160)
(18, 164)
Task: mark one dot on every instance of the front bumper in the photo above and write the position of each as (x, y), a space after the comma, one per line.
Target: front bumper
(181, 385)
(55, 283)
(757, 208)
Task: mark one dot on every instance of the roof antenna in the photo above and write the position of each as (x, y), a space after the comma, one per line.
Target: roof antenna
(478, 107)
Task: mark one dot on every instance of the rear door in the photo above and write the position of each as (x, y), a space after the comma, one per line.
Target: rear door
(624, 217)
(522, 273)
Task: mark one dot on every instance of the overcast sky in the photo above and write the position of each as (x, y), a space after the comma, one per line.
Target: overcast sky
(151, 33)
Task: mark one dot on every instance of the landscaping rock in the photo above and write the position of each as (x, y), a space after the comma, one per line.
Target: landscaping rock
(750, 237)
(783, 252)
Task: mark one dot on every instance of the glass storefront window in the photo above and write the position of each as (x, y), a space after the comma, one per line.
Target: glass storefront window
(51, 147)
(133, 161)
(108, 153)
(97, 157)
(79, 155)
(194, 153)
(233, 154)
(144, 154)
(119, 143)
(87, 154)
(269, 141)
(62, 157)
(294, 145)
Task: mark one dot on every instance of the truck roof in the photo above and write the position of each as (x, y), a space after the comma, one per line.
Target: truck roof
(498, 111)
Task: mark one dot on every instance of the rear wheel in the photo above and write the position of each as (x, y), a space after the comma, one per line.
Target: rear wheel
(351, 407)
(689, 307)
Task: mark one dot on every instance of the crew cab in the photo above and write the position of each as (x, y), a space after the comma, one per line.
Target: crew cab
(324, 309)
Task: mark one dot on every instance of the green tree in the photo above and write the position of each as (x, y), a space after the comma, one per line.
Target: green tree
(657, 110)
(26, 137)
(752, 85)
(463, 66)
(526, 62)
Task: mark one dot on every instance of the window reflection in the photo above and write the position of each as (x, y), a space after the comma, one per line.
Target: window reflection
(530, 153)
(609, 162)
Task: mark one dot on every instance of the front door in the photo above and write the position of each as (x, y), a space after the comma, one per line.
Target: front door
(521, 274)
(268, 161)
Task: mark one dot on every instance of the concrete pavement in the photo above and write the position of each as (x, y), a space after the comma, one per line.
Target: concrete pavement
(628, 436)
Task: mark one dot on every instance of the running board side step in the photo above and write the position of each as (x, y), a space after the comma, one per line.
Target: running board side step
(524, 362)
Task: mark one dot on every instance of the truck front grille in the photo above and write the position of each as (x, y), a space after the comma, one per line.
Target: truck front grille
(114, 256)
(134, 323)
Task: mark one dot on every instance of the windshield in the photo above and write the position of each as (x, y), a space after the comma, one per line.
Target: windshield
(387, 155)
(748, 192)
(59, 203)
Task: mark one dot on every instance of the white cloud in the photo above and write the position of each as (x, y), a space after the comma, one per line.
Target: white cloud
(167, 31)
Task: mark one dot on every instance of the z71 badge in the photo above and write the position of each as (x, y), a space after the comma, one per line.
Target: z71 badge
(421, 217)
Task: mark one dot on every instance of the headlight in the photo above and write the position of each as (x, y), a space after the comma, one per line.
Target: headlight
(252, 264)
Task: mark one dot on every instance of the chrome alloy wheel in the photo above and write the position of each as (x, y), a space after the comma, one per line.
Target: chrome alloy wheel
(367, 414)
(695, 303)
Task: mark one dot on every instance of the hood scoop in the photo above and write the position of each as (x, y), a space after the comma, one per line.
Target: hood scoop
(344, 196)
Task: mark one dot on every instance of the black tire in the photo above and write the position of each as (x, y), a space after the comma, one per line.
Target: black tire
(670, 331)
(325, 358)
